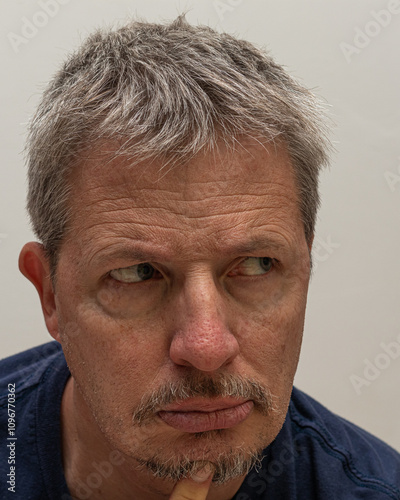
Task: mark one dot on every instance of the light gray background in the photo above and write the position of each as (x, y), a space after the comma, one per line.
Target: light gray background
(354, 296)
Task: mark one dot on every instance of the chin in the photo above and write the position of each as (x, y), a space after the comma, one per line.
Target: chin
(233, 452)
(229, 461)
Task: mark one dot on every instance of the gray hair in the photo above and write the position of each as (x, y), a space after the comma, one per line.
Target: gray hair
(166, 92)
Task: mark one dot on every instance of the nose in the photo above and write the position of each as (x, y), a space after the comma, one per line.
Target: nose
(201, 335)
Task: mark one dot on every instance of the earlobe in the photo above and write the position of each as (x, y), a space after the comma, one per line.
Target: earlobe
(34, 265)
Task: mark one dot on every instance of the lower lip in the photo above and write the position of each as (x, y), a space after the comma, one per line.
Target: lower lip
(202, 421)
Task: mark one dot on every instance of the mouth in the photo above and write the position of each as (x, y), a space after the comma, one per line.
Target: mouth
(201, 415)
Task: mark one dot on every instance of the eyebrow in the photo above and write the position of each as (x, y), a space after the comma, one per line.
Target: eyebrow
(258, 243)
(130, 253)
(136, 254)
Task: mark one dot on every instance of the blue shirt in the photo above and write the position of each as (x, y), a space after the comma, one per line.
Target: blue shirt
(316, 455)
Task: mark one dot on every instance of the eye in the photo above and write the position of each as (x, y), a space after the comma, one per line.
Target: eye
(253, 266)
(135, 274)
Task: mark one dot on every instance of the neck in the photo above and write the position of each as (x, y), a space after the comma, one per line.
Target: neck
(93, 469)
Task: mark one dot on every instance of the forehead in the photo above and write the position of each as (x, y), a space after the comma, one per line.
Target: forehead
(251, 168)
(201, 205)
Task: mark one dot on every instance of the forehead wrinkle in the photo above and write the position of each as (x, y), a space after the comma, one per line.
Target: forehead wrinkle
(181, 211)
(120, 186)
(155, 229)
(129, 207)
(211, 233)
(134, 221)
(267, 239)
(209, 191)
(147, 248)
(137, 231)
(139, 250)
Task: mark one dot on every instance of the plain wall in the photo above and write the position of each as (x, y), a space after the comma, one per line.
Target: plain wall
(348, 52)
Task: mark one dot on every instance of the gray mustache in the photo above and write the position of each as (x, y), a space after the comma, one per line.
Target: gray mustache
(221, 385)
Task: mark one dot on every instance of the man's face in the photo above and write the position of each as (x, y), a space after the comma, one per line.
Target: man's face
(197, 276)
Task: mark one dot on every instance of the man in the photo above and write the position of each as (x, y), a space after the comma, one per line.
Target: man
(173, 185)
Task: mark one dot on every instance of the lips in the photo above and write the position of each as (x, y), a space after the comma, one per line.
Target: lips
(200, 415)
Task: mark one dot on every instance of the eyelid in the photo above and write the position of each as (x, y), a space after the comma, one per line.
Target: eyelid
(237, 263)
(158, 274)
(162, 272)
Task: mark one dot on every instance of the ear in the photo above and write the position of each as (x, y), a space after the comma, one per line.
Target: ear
(34, 265)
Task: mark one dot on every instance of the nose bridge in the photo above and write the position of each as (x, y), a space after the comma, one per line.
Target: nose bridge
(200, 292)
(202, 311)
(202, 337)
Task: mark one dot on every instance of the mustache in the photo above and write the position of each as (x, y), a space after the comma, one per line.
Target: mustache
(199, 385)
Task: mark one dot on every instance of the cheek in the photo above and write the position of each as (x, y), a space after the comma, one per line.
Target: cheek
(112, 359)
(270, 338)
